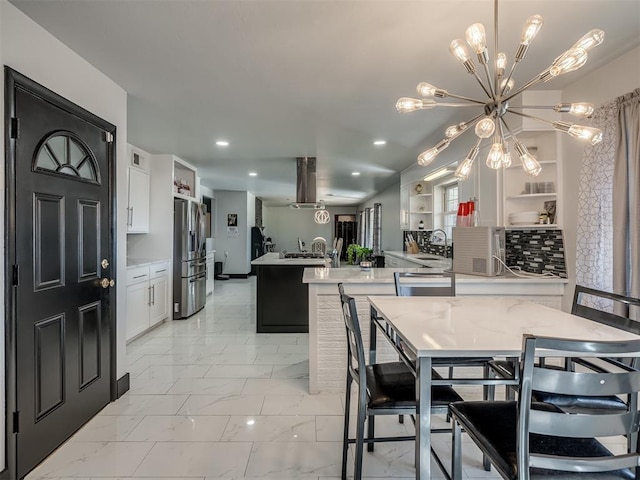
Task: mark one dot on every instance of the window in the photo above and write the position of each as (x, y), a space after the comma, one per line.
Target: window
(449, 207)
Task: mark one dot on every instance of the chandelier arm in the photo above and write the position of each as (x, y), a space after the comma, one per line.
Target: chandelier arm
(534, 81)
(504, 122)
(489, 81)
(531, 107)
(526, 115)
(495, 48)
(475, 74)
(506, 82)
(468, 99)
(459, 105)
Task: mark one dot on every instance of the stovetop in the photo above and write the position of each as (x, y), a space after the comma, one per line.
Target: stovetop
(303, 255)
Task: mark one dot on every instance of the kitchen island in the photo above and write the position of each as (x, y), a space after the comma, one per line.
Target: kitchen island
(327, 343)
(282, 297)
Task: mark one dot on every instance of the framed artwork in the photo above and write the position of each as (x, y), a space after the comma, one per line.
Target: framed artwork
(232, 220)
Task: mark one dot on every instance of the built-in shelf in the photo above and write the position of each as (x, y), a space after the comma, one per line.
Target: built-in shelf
(422, 194)
(422, 212)
(533, 226)
(533, 195)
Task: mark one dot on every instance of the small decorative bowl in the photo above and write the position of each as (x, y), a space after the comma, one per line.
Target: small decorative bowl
(365, 265)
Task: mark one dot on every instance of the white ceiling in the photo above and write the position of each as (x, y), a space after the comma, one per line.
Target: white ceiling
(280, 79)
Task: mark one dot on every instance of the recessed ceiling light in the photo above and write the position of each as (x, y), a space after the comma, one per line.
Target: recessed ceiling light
(380, 142)
(355, 174)
(222, 143)
(253, 174)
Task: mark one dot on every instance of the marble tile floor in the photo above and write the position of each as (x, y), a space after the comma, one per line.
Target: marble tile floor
(212, 399)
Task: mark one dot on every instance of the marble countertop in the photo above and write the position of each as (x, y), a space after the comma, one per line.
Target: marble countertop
(273, 258)
(423, 259)
(479, 326)
(142, 262)
(385, 275)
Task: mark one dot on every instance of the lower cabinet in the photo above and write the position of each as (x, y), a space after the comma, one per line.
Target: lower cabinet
(394, 262)
(210, 273)
(147, 297)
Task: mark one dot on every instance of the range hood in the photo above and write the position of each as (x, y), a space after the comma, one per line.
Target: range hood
(306, 184)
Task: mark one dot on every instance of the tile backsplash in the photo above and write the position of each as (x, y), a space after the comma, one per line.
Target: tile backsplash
(534, 251)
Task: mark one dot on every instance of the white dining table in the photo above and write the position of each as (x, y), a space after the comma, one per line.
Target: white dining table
(424, 328)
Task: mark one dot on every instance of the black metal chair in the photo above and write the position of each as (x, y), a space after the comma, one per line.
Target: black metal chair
(414, 284)
(602, 307)
(383, 389)
(527, 439)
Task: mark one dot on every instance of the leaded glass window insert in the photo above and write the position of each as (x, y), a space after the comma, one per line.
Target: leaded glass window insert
(65, 154)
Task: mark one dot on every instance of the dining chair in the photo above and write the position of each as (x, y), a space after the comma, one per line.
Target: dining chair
(526, 439)
(427, 284)
(383, 389)
(602, 307)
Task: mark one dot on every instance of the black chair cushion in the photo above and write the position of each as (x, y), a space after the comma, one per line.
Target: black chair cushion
(493, 426)
(393, 385)
(568, 403)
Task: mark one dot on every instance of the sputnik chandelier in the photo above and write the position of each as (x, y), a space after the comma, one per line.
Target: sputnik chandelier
(500, 92)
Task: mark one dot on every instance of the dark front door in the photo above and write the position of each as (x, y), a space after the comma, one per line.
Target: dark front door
(60, 250)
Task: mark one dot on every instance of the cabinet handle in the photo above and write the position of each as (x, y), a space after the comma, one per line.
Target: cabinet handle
(149, 301)
(140, 276)
(160, 271)
(132, 216)
(153, 290)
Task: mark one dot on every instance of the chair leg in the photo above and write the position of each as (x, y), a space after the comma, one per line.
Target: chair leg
(450, 372)
(362, 416)
(489, 391)
(345, 435)
(371, 426)
(456, 451)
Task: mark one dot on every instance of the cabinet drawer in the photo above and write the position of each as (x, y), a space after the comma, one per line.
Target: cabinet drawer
(159, 270)
(137, 275)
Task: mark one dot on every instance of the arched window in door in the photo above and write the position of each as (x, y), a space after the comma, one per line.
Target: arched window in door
(64, 153)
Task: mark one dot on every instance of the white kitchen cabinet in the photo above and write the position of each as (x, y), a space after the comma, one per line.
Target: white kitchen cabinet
(148, 297)
(137, 200)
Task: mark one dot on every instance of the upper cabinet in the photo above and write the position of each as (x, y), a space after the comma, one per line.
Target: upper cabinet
(404, 207)
(137, 191)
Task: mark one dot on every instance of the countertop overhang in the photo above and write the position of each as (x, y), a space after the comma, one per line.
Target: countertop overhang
(273, 259)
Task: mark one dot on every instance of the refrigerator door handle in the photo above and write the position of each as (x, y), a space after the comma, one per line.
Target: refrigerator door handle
(199, 277)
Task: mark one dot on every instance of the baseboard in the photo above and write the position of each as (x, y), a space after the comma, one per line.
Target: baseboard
(238, 275)
(123, 385)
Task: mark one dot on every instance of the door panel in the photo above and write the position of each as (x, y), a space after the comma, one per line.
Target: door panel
(60, 216)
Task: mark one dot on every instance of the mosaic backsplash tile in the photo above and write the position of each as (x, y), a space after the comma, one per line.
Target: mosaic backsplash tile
(536, 251)
(423, 239)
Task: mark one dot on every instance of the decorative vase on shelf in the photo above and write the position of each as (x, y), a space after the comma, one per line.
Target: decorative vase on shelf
(421, 225)
(418, 188)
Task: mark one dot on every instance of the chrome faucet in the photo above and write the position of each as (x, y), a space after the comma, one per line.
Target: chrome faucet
(445, 239)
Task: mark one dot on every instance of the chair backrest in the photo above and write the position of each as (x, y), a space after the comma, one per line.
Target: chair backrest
(544, 419)
(425, 284)
(604, 307)
(355, 348)
(319, 245)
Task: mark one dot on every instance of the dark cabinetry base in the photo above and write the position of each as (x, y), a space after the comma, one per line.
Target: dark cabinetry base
(283, 300)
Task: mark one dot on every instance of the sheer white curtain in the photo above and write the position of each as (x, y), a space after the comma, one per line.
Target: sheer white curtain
(608, 232)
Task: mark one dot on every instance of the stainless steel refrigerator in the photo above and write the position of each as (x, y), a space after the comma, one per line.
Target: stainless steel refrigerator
(189, 252)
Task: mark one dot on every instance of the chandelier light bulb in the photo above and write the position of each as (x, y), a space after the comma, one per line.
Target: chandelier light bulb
(589, 134)
(426, 157)
(426, 89)
(494, 159)
(582, 110)
(477, 38)
(463, 170)
(505, 86)
(455, 130)
(531, 29)
(571, 60)
(485, 127)
(529, 164)
(501, 63)
(406, 104)
(506, 158)
(459, 50)
(592, 39)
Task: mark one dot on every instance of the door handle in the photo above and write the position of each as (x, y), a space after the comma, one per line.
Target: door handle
(153, 291)
(149, 301)
(106, 283)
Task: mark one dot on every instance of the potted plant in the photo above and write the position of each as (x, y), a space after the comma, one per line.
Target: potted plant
(357, 253)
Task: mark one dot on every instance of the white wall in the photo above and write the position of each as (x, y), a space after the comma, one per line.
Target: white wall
(32, 51)
(285, 224)
(614, 79)
(238, 202)
(390, 201)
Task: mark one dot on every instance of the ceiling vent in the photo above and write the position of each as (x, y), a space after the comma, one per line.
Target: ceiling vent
(306, 184)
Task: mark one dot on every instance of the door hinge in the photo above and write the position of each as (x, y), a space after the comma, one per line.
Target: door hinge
(15, 274)
(108, 137)
(14, 128)
(16, 422)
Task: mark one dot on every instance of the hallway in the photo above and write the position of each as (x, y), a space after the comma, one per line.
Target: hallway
(210, 398)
